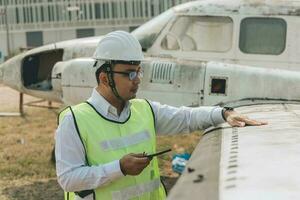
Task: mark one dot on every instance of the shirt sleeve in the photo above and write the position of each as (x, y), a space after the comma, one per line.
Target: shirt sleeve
(172, 120)
(72, 172)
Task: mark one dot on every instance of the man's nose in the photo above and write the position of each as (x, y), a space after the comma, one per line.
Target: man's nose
(137, 80)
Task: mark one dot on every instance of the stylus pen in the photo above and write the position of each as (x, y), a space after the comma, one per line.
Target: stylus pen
(157, 153)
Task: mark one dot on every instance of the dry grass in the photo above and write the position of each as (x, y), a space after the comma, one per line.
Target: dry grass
(25, 150)
(25, 143)
(186, 142)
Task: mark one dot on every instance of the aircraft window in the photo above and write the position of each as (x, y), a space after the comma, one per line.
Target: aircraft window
(170, 42)
(200, 34)
(262, 36)
(147, 33)
(218, 85)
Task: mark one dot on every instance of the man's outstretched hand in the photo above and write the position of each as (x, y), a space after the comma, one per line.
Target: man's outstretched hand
(235, 119)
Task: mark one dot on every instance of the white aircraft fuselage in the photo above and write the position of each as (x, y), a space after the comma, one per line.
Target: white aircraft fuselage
(255, 33)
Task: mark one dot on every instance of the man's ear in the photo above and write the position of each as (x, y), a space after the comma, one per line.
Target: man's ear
(103, 78)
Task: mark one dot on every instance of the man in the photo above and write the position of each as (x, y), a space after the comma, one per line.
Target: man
(100, 143)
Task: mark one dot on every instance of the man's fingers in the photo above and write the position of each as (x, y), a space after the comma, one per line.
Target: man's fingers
(133, 164)
(256, 123)
(141, 163)
(139, 155)
(263, 123)
(236, 123)
(248, 121)
(141, 160)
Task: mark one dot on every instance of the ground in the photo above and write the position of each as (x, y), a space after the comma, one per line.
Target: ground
(26, 171)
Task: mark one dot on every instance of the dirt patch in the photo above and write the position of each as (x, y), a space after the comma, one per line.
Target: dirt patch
(26, 171)
(25, 145)
(9, 99)
(31, 189)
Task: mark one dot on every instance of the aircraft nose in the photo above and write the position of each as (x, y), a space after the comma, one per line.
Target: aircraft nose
(10, 72)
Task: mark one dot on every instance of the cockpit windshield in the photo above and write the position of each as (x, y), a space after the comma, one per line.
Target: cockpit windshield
(148, 32)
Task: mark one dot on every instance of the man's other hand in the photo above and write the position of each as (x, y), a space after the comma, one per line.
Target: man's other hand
(133, 164)
(235, 119)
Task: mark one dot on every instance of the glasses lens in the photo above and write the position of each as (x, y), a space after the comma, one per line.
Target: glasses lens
(132, 75)
(141, 74)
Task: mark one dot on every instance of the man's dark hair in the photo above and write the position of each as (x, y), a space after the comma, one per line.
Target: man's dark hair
(111, 64)
(101, 69)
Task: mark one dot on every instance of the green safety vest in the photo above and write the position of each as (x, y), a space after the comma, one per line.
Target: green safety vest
(106, 140)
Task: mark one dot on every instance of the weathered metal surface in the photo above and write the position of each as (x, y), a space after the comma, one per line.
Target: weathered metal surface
(254, 163)
(201, 177)
(191, 73)
(251, 82)
(248, 7)
(190, 85)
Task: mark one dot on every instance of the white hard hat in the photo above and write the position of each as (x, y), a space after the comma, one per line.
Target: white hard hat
(119, 45)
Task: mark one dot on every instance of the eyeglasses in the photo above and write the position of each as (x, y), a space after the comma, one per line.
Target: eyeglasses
(132, 75)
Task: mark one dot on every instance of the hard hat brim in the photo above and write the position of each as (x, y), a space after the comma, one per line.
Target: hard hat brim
(98, 63)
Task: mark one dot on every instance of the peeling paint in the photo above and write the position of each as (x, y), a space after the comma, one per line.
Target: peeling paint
(247, 7)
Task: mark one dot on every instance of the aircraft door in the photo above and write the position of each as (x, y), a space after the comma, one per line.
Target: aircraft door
(37, 69)
(56, 76)
(177, 83)
(77, 80)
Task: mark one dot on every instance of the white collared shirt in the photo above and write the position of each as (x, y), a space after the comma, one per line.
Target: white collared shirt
(74, 175)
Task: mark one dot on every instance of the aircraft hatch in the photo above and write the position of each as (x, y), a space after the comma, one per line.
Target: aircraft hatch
(36, 69)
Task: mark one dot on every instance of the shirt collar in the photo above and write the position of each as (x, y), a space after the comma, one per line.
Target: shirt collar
(104, 107)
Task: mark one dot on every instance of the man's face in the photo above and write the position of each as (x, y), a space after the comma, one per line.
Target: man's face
(126, 88)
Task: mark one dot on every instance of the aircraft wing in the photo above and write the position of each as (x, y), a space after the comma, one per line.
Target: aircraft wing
(247, 163)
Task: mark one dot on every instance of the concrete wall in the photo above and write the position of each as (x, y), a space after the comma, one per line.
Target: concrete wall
(102, 31)
(51, 36)
(18, 38)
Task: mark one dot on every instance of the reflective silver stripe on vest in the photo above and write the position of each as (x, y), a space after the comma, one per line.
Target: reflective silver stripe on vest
(135, 191)
(125, 141)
